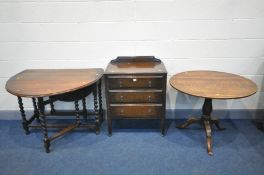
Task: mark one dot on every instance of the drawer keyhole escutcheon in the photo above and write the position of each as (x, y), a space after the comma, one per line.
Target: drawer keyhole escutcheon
(120, 84)
(122, 110)
(134, 79)
(121, 98)
(149, 98)
(150, 84)
(149, 110)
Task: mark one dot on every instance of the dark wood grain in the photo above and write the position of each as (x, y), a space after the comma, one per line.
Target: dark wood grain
(213, 84)
(135, 88)
(48, 82)
(136, 111)
(135, 82)
(69, 85)
(135, 96)
(134, 65)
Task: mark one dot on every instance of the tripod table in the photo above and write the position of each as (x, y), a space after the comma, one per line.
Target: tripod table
(211, 85)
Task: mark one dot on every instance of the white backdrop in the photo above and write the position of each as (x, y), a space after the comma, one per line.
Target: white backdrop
(222, 35)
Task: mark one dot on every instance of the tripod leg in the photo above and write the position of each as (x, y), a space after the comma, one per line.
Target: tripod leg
(208, 132)
(189, 122)
(217, 124)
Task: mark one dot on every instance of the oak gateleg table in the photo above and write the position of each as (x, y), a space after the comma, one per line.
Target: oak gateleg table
(211, 85)
(68, 85)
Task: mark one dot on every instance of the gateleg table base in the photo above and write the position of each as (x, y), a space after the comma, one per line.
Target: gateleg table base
(40, 115)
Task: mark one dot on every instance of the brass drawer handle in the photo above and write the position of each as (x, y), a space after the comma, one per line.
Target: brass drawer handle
(121, 98)
(149, 110)
(134, 79)
(149, 99)
(122, 110)
(150, 84)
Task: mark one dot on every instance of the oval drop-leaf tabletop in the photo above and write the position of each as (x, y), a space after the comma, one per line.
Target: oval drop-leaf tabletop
(48, 82)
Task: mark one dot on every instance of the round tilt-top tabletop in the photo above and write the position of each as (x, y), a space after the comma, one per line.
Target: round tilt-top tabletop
(48, 82)
(213, 84)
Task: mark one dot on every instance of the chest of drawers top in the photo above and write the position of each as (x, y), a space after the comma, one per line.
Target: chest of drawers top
(135, 65)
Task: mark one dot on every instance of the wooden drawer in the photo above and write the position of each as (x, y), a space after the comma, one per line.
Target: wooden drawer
(135, 111)
(135, 96)
(135, 82)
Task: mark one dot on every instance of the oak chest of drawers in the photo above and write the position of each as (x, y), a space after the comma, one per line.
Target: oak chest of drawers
(135, 89)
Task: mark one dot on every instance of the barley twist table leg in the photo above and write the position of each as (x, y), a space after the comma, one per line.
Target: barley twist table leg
(77, 111)
(23, 115)
(97, 120)
(43, 124)
(36, 113)
(100, 100)
(52, 108)
(84, 109)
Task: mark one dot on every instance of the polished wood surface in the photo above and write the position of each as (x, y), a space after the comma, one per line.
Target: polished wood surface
(133, 96)
(135, 65)
(69, 85)
(48, 82)
(135, 82)
(136, 88)
(137, 110)
(213, 84)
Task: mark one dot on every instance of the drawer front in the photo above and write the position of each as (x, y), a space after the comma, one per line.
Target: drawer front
(135, 83)
(136, 111)
(135, 97)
